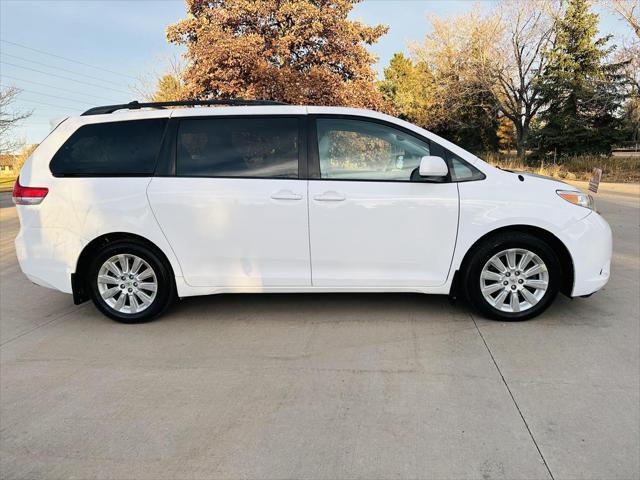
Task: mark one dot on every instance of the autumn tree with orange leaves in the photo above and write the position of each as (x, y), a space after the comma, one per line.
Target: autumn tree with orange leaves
(295, 51)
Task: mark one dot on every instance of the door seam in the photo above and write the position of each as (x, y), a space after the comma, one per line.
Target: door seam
(153, 213)
(455, 244)
(309, 234)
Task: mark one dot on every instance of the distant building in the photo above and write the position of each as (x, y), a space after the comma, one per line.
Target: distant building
(7, 163)
(625, 152)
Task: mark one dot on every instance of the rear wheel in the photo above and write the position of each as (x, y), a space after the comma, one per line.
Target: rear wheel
(514, 276)
(130, 283)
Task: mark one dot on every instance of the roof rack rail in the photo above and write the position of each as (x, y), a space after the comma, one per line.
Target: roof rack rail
(186, 103)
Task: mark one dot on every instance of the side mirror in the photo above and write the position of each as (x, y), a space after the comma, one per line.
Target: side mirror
(433, 167)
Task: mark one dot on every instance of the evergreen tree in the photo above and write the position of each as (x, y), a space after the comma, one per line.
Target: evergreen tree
(437, 97)
(168, 89)
(408, 87)
(583, 91)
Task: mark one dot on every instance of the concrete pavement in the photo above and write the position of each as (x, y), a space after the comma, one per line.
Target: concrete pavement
(323, 386)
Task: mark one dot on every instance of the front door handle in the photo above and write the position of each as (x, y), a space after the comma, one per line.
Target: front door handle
(330, 196)
(286, 195)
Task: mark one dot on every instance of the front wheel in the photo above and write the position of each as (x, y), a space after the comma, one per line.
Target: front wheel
(130, 283)
(514, 276)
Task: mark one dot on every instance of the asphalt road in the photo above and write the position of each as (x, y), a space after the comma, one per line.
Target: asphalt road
(323, 386)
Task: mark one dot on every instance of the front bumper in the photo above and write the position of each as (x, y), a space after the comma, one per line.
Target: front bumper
(590, 243)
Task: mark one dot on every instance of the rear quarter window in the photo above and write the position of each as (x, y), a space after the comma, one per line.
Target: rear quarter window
(111, 149)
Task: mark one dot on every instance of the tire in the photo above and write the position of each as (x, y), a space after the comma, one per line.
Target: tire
(147, 290)
(531, 295)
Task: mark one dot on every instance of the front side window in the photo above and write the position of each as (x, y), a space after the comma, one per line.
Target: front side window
(238, 147)
(360, 150)
(462, 171)
(113, 148)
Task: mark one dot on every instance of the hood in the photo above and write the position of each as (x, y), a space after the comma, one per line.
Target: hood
(545, 177)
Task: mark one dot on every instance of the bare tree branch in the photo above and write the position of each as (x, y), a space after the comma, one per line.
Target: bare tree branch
(148, 85)
(521, 59)
(629, 10)
(9, 118)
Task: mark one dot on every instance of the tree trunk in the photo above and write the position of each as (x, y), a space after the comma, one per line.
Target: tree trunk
(521, 138)
(520, 148)
(522, 135)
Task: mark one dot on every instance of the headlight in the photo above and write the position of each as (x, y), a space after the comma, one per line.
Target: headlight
(577, 198)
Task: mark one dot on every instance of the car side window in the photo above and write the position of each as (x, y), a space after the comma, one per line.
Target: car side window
(351, 149)
(259, 147)
(111, 148)
(462, 171)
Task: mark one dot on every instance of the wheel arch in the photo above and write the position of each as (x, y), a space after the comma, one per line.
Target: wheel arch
(80, 294)
(566, 261)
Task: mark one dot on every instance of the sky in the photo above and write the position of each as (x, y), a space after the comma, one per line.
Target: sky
(67, 56)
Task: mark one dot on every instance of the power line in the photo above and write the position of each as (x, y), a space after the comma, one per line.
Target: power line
(44, 118)
(40, 115)
(84, 102)
(67, 59)
(65, 78)
(57, 68)
(2, 75)
(49, 104)
(33, 124)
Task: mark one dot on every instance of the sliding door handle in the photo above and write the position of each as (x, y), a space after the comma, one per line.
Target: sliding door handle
(286, 195)
(330, 197)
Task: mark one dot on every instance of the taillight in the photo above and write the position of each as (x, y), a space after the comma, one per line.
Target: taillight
(28, 195)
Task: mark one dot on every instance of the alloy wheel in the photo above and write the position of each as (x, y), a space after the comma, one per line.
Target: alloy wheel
(127, 283)
(514, 280)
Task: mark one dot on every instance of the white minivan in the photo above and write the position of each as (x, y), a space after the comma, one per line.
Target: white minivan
(134, 205)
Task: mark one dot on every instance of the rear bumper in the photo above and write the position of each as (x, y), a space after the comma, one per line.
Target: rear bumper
(48, 256)
(590, 243)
